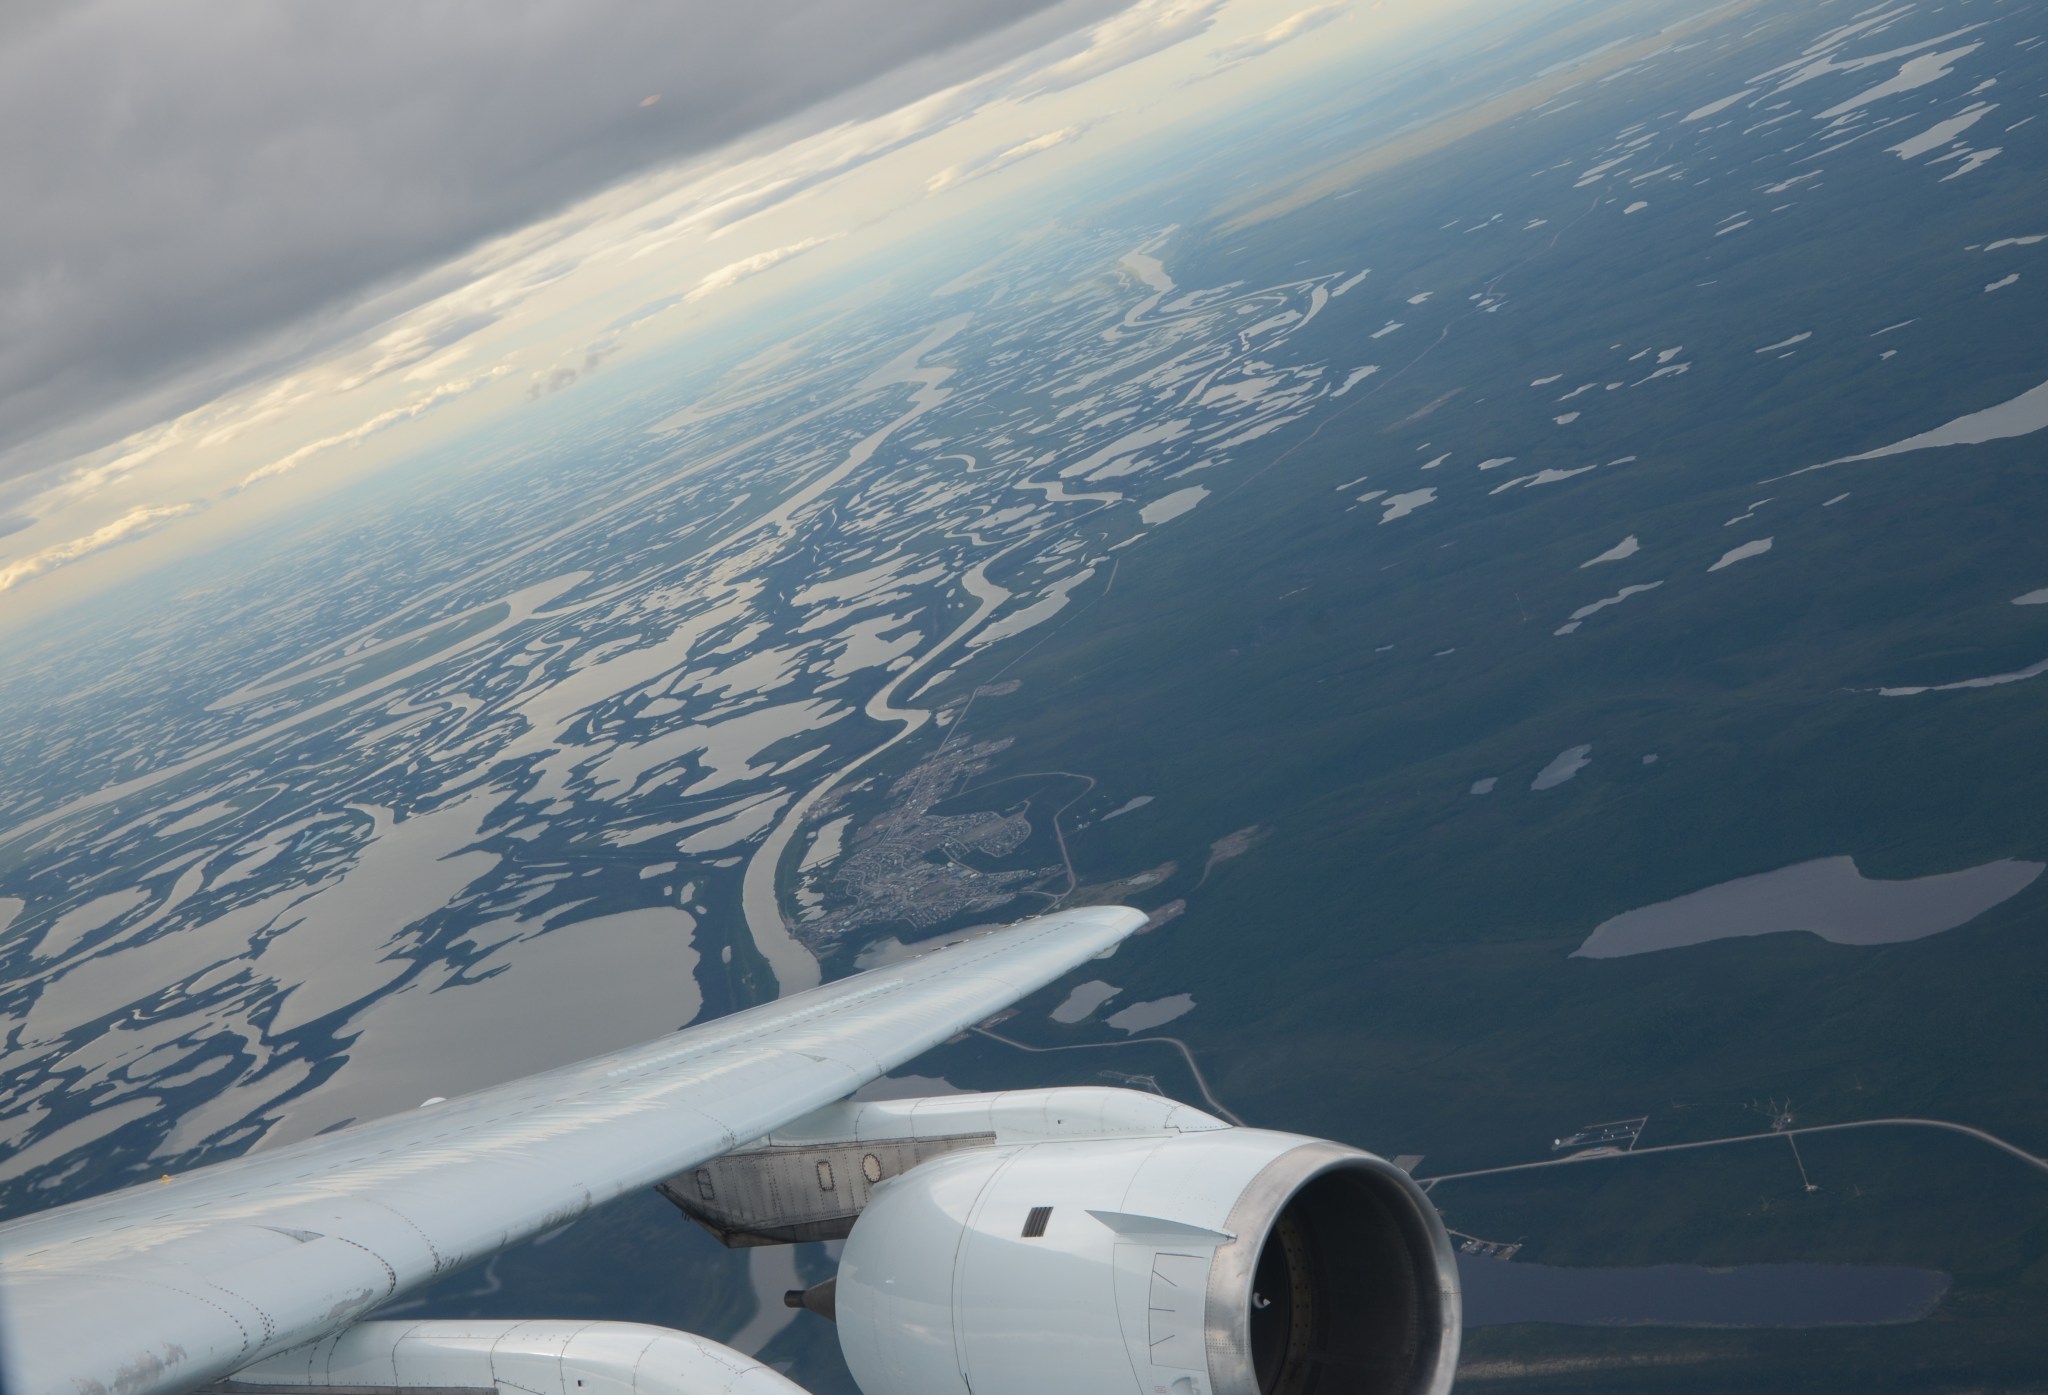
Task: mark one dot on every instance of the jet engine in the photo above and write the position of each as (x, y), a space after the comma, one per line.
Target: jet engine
(1104, 1242)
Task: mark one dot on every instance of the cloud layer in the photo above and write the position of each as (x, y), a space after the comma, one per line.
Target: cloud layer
(1292, 27)
(1146, 28)
(134, 524)
(995, 160)
(186, 177)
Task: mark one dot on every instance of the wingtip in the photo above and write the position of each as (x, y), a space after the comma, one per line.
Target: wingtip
(1122, 921)
(1107, 927)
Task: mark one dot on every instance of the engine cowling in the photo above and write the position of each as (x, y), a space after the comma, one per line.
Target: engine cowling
(1226, 1261)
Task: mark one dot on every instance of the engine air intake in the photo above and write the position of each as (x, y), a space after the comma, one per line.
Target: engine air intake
(1347, 1293)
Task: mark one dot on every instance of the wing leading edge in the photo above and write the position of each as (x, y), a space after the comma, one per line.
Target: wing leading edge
(163, 1287)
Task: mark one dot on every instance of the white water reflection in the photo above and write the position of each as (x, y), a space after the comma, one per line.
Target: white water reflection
(2018, 416)
(1988, 680)
(1142, 1017)
(1084, 1000)
(1827, 897)
(1742, 553)
(1565, 765)
(1172, 506)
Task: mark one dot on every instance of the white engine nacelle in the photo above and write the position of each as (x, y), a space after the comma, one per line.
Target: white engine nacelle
(1218, 1261)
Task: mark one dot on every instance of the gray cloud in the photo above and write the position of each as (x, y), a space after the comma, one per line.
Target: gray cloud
(188, 180)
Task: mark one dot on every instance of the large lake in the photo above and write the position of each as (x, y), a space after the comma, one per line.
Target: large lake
(1827, 897)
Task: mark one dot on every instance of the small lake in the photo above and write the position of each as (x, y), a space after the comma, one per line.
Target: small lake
(1827, 897)
(1082, 1002)
(1143, 1017)
(1692, 1295)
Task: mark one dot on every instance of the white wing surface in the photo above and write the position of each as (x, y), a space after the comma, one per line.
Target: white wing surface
(166, 1286)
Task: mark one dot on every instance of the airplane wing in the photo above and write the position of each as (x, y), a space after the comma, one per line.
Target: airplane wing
(167, 1286)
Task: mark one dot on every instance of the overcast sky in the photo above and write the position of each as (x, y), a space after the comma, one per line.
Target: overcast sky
(188, 177)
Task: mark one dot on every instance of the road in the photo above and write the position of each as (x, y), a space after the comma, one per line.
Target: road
(2038, 1164)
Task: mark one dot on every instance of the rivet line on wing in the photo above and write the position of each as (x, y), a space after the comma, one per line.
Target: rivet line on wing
(432, 1249)
(221, 1308)
(389, 1273)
